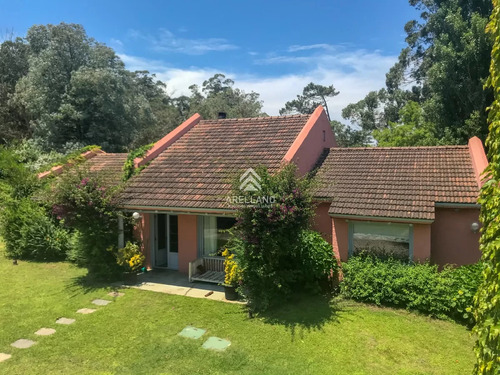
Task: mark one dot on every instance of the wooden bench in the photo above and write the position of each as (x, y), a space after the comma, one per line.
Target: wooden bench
(207, 269)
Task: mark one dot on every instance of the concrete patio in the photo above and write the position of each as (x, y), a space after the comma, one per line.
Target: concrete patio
(173, 282)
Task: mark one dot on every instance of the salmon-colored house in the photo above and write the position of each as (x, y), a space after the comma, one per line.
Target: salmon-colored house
(418, 202)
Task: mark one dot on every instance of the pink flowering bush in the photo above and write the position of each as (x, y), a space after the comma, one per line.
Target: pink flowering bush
(88, 205)
(275, 249)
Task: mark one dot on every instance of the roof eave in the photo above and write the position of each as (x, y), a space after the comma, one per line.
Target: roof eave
(383, 218)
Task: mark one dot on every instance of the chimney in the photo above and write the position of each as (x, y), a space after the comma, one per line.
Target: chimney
(222, 115)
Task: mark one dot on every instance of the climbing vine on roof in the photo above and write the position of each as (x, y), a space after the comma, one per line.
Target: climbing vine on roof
(487, 299)
(129, 168)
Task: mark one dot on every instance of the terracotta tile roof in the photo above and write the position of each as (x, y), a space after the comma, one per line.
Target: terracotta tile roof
(196, 171)
(403, 182)
(111, 163)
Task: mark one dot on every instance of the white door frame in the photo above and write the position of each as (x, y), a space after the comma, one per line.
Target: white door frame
(154, 244)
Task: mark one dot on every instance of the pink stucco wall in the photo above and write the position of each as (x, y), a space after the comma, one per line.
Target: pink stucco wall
(340, 238)
(478, 158)
(452, 240)
(321, 221)
(188, 241)
(421, 242)
(316, 135)
(142, 233)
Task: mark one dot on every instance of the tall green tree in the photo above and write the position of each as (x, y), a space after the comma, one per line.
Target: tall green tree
(77, 91)
(411, 130)
(66, 90)
(443, 68)
(218, 94)
(14, 122)
(314, 95)
(487, 299)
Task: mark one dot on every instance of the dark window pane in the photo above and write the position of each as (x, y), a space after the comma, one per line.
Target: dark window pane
(223, 224)
(162, 234)
(174, 234)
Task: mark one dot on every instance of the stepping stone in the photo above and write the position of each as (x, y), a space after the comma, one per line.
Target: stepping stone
(65, 321)
(192, 332)
(86, 311)
(116, 294)
(216, 343)
(101, 302)
(23, 344)
(45, 331)
(4, 357)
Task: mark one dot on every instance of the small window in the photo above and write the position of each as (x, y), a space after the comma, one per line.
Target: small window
(382, 239)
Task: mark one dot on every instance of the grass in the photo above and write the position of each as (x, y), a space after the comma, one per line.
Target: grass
(137, 333)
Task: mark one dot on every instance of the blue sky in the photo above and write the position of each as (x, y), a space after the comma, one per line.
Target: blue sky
(272, 47)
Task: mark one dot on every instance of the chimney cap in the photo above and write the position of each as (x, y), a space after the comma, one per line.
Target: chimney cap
(222, 115)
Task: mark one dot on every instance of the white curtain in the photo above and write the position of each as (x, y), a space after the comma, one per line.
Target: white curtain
(209, 235)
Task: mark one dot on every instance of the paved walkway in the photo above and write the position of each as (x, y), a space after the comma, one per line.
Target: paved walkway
(172, 282)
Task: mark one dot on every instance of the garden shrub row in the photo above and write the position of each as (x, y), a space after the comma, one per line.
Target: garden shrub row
(418, 287)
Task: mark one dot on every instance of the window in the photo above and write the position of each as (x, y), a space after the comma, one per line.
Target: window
(381, 238)
(212, 234)
(174, 234)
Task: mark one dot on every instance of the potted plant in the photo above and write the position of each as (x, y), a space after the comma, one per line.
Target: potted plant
(132, 260)
(232, 277)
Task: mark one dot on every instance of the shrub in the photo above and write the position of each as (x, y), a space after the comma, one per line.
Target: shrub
(130, 258)
(16, 181)
(30, 234)
(318, 262)
(89, 206)
(275, 252)
(419, 287)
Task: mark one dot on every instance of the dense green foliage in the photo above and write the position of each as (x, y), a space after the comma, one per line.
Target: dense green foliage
(16, 181)
(29, 233)
(88, 205)
(443, 69)
(275, 251)
(487, 300)
(219, 95)
(412, 129)
(65, 90)
(419, 287)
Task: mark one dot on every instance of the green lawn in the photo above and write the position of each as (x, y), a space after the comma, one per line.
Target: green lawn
(137, 334)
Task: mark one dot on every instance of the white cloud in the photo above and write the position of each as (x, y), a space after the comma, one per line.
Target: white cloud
(296, 47)
(353, 73)
(167, 41)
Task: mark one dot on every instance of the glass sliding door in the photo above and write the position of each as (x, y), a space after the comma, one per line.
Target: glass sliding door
(173, 242)
(166, 241)
(161, 252)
